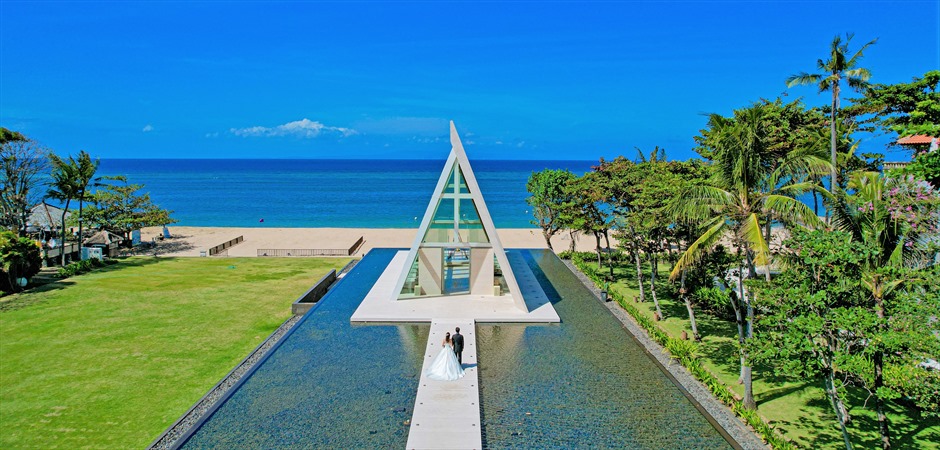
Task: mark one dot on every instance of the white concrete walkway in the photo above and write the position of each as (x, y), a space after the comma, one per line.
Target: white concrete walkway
(447, 413)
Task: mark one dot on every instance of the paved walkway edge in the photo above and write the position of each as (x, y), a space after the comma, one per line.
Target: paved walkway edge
(714, 410)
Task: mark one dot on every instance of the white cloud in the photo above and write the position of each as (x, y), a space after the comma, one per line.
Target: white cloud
(212, 135)
(304, 128)
(147, 128)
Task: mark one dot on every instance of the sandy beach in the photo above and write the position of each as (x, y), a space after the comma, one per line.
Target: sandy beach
(191, 241)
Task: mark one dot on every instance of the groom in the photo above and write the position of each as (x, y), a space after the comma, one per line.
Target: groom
(458, 344)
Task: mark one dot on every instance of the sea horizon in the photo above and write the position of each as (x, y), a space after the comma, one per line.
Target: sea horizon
(321, 193)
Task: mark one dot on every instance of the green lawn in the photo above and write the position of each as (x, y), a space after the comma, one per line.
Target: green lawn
(799, 408)
(110, 359)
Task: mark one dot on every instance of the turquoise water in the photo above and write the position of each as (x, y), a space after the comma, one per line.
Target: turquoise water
(322, 193)
(584, 383)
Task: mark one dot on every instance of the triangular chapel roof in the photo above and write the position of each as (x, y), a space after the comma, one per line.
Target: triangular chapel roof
(457, 182)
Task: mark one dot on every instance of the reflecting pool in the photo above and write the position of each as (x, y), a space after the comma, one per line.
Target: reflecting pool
(329, 384)
(583, 383)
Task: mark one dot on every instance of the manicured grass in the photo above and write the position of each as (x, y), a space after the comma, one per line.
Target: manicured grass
(112, 358)
(799, 408)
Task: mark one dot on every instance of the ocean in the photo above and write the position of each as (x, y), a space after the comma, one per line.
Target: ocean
(321, 193)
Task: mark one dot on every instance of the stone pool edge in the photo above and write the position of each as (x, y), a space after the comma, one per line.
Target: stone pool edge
(205, 405)
(716, 412)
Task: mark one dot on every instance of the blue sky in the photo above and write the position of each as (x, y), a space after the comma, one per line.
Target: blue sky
(522, 80)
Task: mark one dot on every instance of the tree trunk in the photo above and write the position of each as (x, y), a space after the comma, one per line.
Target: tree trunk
(653, 267)
(746, 377)
(639, 272)
(748, 401)
(62, 244)
(610, 258)
(597, 239)
(832, 143)
(688, 306)
(548, 239)
(767, 239)
(815, 203)
(736, 302)
(573, 235)
(837, 405)
(878, 362)
(739, 320)
(80, 224)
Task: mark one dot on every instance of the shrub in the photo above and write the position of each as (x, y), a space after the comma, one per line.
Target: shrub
(80, 267)
(19, 258)
(715, 301)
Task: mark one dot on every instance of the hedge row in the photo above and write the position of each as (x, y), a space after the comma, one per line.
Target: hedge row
(80, 267)
(685, 351)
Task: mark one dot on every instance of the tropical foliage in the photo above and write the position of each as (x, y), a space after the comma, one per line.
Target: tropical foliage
(22, 162)
(854, 301)
(120, 208)
(547, 189)
(19, 259)
(841, 66)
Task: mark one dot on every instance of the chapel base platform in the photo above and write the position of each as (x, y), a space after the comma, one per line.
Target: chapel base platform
(382, 305)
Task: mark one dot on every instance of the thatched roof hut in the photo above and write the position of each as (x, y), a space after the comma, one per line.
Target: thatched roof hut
(103, 238)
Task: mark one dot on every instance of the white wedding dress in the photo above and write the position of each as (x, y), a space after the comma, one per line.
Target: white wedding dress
(444, 366)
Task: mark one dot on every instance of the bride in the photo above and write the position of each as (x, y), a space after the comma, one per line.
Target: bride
(445, 367)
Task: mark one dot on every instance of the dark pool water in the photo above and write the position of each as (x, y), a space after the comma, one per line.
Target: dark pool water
(584, 383)
(330, 384)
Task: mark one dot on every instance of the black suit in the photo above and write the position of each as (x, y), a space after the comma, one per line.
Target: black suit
(458, 346)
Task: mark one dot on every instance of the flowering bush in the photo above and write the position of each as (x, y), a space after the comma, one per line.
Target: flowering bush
(913, 203)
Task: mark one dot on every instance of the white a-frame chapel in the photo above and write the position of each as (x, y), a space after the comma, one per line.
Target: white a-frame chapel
(456, 266)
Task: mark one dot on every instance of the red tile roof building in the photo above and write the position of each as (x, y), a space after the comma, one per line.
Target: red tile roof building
(917, 139)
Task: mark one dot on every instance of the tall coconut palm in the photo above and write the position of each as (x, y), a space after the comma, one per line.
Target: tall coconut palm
(737, 201)
(840, 66)
(63, 187)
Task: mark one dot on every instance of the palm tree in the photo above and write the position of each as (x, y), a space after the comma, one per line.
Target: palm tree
(85, 170)
(839, 66)
(63, 187)
(743, 194)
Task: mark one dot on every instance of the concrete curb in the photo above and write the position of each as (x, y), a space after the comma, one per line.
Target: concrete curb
(179, 428)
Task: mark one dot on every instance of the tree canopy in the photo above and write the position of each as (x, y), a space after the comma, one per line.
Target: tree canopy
(903, 108)
(119, 207)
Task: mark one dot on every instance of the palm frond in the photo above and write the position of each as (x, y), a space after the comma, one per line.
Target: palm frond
(803, 78)
(716, 229)
(699, 202)
(800, 188)
(792, 211)
(751, 232)
(802, 164)
(853, 61)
